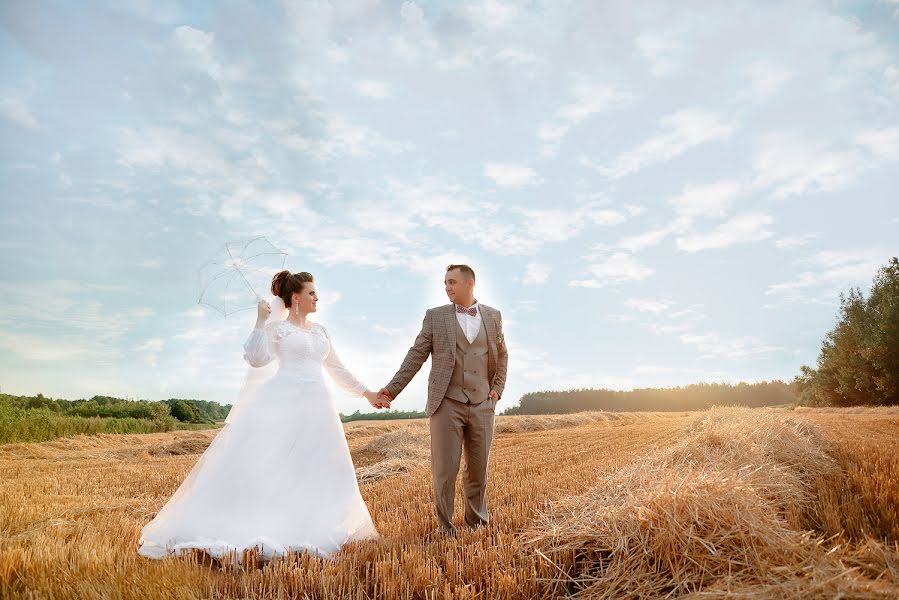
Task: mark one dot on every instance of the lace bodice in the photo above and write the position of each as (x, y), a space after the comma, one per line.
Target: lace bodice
(300, 352)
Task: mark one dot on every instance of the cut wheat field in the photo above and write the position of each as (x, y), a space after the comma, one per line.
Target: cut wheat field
(722, 503)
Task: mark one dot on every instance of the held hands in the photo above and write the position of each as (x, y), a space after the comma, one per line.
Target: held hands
(376, 400)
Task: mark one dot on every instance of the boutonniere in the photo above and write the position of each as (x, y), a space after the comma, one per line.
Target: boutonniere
(500, 338)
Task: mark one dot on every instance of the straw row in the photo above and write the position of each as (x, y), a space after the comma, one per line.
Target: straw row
(718, 513)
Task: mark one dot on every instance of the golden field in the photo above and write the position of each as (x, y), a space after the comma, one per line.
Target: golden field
(723, 503)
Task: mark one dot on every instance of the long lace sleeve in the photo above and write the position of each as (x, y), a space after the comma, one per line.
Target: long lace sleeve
(339, 373)
(259, 349)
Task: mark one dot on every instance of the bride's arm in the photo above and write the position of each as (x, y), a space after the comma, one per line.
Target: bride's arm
(258, 349)
(339, 373)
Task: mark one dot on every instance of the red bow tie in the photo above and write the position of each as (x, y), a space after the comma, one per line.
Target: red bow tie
(473, 311)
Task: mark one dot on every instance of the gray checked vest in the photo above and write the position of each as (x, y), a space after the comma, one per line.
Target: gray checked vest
(469, 381)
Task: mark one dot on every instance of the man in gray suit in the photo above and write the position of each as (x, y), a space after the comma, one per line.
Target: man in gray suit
(468, 374)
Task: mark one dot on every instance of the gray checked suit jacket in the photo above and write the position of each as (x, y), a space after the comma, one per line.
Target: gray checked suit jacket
(438, 339)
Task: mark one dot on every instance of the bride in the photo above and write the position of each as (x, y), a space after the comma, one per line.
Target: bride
(279, 475)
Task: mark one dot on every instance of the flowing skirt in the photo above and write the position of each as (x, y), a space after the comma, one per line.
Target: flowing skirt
(278, 477)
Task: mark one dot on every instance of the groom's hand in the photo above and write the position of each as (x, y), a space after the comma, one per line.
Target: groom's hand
(376, 400)
(493, 395)
(385, 395)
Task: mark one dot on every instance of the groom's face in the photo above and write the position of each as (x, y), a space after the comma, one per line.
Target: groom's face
(459, 288)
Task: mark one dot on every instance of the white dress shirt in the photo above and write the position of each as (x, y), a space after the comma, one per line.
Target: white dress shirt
(470, 325)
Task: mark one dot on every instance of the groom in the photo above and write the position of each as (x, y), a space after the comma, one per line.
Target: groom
(468, 374)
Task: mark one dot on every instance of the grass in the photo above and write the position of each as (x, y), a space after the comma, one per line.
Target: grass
(71, 511)
(40, 425)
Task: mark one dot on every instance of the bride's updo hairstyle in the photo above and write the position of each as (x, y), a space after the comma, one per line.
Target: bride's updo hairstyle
(285, 284)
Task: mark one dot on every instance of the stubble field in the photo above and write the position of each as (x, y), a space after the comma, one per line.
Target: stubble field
(727, 502)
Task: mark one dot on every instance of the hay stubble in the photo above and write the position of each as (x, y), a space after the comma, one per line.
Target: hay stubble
(71, 512)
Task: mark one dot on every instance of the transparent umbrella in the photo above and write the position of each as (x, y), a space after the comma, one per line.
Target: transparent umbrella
(239, 274)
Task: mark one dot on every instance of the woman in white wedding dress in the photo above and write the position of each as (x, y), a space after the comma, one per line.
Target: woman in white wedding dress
(279, 475)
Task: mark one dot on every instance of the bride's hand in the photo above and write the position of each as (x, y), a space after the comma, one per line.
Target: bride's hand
(263, 310)
(373, 399)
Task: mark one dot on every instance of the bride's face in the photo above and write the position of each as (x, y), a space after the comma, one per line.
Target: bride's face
(306, 299)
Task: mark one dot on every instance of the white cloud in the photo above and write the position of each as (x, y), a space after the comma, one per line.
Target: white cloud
(766, 78)
(150, 263)
(837, 258)
(537, 367)
(661, 51)
(342, 138)
(706, 200)
(518, 56)
(553, 225)
(15, 109)
(373, 89)
(491, 14)
(634, 210)
(646, 239)
(681, 131)
(413, 16)
(618, 268)
(652, 306)
(151, 348)
(536, 273)
(551, 134)
(157, 147)
(667, 321)
(793, 165)
(281, 204)
(712, 345)
(795, 240)
(604, 216)
(882, 143)
(835, 269)
(461, 60)
(511, 175)
(591, 98)
(160, 11)
(336, 54)
(891, 78)
(198, 47)
(77, 325)
(749, 227)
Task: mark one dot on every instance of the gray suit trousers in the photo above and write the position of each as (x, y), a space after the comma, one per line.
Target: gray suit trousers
(456, 425)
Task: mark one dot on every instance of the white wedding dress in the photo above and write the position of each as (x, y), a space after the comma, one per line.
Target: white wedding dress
(279, 475)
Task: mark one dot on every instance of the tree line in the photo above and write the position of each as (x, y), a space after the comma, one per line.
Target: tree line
(698, 396)
(383, 415)
(185, 411)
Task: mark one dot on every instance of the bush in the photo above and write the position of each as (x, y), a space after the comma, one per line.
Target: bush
(184, 411)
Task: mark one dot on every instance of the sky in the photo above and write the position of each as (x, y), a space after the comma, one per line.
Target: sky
(652, 193)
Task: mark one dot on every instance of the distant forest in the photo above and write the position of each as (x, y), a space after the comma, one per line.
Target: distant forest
(383, 415)
(699, 396)
(186, 411)
(183, 410)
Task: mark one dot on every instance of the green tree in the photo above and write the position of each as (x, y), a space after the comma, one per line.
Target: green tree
(184, 411)
(859, 358)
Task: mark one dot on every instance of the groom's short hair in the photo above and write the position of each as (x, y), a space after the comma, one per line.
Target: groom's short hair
(468, 271)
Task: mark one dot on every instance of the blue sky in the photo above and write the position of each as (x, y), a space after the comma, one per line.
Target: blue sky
(653, 193)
